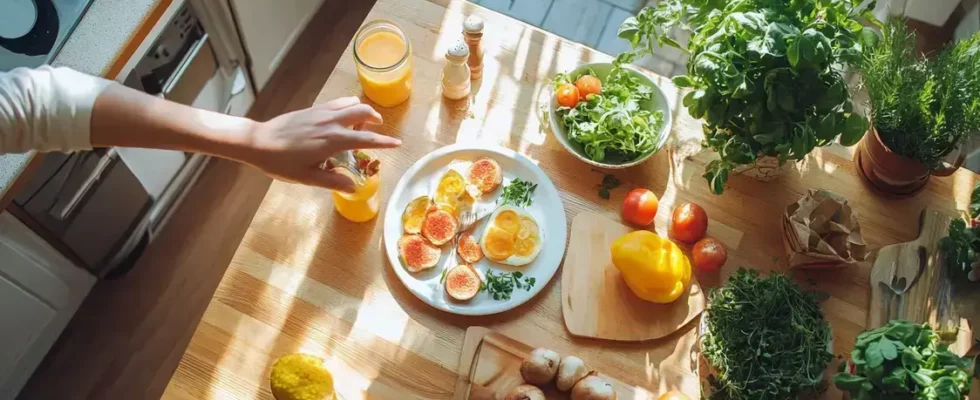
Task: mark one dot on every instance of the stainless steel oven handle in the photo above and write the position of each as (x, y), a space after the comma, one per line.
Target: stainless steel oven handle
(64, 207)
(193, 73)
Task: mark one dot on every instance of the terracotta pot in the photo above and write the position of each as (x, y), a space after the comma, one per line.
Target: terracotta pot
(892, 173)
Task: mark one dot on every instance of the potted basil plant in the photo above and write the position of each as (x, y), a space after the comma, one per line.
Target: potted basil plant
(922, 110)
(765, 74)
(904, 360)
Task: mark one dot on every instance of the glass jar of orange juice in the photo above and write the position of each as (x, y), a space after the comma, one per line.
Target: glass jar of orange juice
(384, 62)
(363, 204)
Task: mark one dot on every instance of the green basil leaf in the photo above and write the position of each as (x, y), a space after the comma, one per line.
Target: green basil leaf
(793, 53)
(888, 349)
(854, 127)
(873, 355)
(629, 30)
(845, 381)
(683, 81)
(869, 38)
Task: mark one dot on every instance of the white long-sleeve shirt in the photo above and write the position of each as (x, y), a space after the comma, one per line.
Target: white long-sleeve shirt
(47, 109)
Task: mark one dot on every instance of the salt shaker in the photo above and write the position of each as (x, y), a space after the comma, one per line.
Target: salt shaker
(456, 75)
(473, 33)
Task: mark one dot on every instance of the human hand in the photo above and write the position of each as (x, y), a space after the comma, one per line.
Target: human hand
(291, 147)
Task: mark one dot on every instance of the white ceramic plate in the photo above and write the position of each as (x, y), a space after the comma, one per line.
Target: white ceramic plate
(546, 208)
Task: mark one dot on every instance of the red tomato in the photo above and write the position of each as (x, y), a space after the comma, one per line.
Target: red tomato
(674, 395)
(640, 207)
(588, 84)
(567, 95)
(689, 224)
(709, 255)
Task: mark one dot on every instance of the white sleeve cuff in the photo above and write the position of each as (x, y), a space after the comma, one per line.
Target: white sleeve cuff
(47, 109)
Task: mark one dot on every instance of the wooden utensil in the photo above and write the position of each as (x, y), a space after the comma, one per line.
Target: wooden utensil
(595, 300)
(489, 367)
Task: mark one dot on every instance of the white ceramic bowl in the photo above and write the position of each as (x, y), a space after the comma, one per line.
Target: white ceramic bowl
(658, 102)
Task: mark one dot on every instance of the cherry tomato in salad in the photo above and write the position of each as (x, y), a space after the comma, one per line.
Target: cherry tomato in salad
(709, 254)
(567, 95)
(640, 207)
(689, 223)
(588, 84)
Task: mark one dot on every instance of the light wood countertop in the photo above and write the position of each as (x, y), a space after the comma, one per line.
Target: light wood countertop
(306, 280)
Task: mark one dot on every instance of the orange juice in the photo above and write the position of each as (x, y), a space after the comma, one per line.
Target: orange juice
(363, 204)
(384, 62)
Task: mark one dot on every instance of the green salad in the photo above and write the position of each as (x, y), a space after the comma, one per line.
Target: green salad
(606, 117)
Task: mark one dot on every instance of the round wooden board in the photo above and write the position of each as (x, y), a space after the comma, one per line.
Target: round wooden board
(595, 300)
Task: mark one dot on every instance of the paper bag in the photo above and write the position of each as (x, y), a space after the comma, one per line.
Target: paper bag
(821, 231)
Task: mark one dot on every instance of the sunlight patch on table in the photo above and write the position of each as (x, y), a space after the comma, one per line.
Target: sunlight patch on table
(520, 56)
(962, 189)
(301, 256)
(393, 325)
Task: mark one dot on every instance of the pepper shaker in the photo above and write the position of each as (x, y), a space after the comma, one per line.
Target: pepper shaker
(473, 33)
(456, 75)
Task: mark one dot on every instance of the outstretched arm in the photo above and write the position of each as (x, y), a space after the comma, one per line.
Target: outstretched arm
(60, 109)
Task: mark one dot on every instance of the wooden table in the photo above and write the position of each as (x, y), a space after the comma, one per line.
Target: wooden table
(306, 280)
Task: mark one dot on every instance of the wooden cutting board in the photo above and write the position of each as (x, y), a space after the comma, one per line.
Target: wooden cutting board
(489, 367)
(595, 300)
(930, 299)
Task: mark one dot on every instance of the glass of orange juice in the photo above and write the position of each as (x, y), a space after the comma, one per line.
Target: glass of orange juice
(384, 62)
(363, 204)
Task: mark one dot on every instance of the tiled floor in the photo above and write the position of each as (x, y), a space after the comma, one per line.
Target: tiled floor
(591, 22)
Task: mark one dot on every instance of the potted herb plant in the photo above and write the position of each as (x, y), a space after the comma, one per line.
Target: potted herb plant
(762, 338)
(922, 110)
(765, 74)
(903, 360)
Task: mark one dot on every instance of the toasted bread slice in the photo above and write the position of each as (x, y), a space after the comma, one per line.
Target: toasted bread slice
(417, 253)
(462, 282)
(468, 249)
(439, 226)
(485, 174)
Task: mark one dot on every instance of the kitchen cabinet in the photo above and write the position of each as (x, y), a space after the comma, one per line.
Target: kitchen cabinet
(269, 29)
(40, 290)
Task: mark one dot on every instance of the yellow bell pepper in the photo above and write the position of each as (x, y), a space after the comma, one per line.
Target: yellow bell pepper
(654, 268)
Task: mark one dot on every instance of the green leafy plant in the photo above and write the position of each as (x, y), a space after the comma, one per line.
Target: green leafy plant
(612, 126)
(766, 339)
(904, 360)
(764, 73)
(519, 193)
(922, 108)
(500, 285)
(960, 249)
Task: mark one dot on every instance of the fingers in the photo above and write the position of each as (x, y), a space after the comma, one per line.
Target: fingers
(358, 114)
(349, 139)
(342, 103)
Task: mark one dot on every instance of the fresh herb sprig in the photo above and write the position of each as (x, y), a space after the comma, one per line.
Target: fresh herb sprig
(519, 193)
(766, 339)
(609, 182)
(500, 285)
(904, 360)
(765, 74)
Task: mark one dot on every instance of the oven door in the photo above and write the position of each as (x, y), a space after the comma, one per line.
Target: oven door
(106, 205)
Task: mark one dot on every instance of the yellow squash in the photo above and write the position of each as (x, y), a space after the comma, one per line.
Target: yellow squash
(654, 268)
